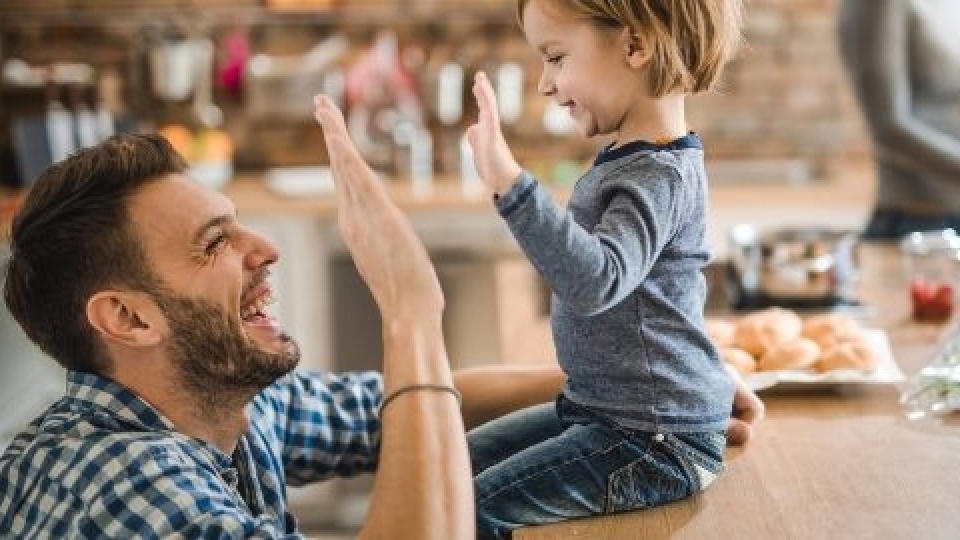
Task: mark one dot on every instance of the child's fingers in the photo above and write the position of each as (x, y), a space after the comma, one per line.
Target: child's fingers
(472, 137)
(486, 100)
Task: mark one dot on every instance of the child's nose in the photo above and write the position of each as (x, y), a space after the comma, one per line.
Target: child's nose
(545, 86)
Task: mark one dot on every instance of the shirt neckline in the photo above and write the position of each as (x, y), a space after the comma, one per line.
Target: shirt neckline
(686, 142)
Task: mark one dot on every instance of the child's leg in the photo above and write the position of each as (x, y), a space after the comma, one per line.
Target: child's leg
(499, 439)
(592, 469)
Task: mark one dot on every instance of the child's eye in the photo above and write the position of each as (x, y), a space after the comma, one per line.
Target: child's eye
(555, 59)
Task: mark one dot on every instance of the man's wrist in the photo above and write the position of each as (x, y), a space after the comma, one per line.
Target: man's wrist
(414, 352)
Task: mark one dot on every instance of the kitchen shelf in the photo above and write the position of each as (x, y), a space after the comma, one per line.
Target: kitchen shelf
(391, 12)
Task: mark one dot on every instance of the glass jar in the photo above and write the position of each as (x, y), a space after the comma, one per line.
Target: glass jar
(932, 265)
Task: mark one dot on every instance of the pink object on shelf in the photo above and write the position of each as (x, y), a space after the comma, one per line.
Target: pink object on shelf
(230, 75)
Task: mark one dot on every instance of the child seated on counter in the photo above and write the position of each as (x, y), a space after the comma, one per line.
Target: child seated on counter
(641, 419)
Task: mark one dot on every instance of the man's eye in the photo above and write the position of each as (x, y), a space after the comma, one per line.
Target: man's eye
(217, 244)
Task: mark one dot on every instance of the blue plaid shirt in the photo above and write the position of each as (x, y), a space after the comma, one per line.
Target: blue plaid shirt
(101, 462)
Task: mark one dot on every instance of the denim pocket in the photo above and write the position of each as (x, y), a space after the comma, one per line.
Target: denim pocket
(654, 479)
(702, 453)
(675, 467)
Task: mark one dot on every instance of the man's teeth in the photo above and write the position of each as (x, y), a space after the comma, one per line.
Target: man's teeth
(258, 306)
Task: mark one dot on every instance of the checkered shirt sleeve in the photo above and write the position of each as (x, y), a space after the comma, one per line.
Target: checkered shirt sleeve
(102, 463)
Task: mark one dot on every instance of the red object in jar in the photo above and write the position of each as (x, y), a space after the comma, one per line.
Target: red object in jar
(932, 301)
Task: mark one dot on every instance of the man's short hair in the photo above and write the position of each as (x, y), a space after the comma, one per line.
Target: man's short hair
(73, 237)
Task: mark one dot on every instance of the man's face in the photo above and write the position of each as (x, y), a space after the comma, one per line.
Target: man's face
(213, 286)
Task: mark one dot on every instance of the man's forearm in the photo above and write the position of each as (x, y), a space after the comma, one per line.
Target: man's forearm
(492, 391)
(423, 488)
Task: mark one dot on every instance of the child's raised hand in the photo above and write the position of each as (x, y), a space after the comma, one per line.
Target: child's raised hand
(494, 160)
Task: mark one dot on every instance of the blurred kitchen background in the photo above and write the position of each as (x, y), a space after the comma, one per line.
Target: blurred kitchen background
(230, 83)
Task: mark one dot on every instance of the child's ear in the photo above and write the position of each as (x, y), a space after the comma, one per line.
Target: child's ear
(637, 50)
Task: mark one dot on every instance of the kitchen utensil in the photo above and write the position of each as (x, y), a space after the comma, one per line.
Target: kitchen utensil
(172, 68)
(791, 267)
(282, 87)
(510, 92)
(31, 147)
(207, 112)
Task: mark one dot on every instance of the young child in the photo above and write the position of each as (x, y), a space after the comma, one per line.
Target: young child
(640, 421)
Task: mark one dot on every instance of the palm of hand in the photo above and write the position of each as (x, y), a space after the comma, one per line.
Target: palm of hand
(495, 162)
(385, 249)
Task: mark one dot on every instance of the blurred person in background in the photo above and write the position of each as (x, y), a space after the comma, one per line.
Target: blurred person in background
(903, 59)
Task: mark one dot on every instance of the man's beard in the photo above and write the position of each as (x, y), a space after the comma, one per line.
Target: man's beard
(216, 361)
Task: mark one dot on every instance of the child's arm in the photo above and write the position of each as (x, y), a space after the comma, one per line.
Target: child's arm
(590, 271)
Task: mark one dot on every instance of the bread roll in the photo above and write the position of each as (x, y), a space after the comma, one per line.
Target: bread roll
(739, 359)
(829, 329)
(797, 353)
(759, 332)
(854, 354)
(720, 332)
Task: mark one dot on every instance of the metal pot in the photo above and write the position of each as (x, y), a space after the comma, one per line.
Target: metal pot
(793, 267)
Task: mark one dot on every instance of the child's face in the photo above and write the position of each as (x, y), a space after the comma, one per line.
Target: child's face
(586, 69)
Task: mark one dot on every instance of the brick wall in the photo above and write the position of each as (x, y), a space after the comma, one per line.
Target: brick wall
(786, 96)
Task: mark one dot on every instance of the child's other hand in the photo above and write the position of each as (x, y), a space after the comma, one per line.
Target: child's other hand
(748, 411)
(495, 163)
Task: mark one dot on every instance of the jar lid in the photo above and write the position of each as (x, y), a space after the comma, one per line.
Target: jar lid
(945, 242)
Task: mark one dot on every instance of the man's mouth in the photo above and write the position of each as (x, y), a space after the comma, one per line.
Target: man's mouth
(254, 310)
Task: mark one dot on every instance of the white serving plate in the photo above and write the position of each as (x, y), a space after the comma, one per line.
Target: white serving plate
(887, 372)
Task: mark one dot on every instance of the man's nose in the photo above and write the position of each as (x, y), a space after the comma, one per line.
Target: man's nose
(260, 251)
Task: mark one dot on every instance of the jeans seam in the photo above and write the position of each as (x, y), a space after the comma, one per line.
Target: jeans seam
(552, 468)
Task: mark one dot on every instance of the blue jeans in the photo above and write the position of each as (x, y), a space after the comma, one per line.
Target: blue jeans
(555, 462)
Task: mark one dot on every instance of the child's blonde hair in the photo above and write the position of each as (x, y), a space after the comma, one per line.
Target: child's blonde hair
(691, 40)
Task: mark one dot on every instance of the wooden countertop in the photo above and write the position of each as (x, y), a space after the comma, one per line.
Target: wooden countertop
(251, 195)
(842, 464)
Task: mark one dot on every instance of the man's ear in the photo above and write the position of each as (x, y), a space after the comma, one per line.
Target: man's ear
(638, 51)
(126, 318)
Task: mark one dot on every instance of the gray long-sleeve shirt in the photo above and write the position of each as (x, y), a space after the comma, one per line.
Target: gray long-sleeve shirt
(624, 262)
(903, 57)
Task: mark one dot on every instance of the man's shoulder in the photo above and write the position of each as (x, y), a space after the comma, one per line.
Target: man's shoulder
(78, 449)
(66, 465)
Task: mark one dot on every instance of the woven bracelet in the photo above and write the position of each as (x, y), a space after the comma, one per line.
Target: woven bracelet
(417, 387)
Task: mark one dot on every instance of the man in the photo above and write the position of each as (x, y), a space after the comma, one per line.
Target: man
(182, 415)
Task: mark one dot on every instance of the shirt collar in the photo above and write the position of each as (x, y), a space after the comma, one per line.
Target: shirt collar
(99, 392)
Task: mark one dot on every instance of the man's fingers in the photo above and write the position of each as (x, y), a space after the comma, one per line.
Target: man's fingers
(329, 115)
